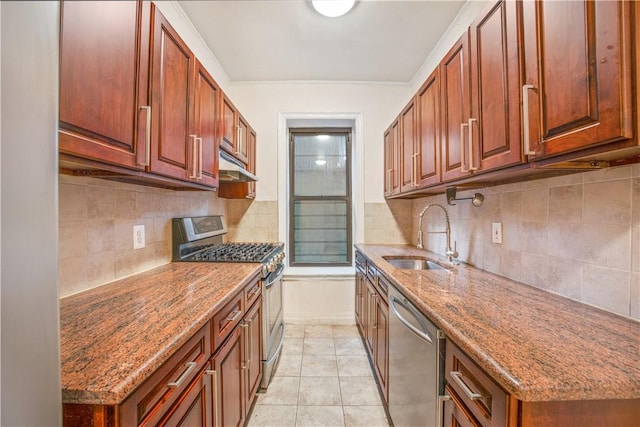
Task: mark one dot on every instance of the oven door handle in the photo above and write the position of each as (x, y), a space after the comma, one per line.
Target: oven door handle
(275, 353)
(278, 275)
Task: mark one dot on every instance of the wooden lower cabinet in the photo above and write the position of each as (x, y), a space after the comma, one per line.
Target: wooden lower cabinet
(193, 408)
(456, 414)
(381, 346)
(228, 376)
(252, 330)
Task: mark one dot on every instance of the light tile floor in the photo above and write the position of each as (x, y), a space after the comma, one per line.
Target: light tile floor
(323, 379)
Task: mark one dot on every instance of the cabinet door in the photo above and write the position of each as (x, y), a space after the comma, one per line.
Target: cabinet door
(206, 123)
(360, 300)
(228, 120)
(494, 126)
(370, 313)
(253, 351)
(455, 106)
(99, 121)
(172, 98)
(456, 414)
(408, 152)
(193, 409)
(381, 330)
(577, 63)
(243, 140)
(389, 156)
(228, 394)
(428, 135)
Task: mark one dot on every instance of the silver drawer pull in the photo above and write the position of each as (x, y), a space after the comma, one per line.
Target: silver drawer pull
(457, 377)
(190, 367)
(234, 316)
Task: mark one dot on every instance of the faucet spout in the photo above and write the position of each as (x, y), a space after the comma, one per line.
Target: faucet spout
(451, 253)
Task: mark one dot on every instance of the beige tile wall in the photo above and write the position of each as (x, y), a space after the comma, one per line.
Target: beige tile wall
(96, 219)
(387, 222)
(576, 235)
(252, 221)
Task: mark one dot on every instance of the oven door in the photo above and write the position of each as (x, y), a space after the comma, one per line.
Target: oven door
(273, 325)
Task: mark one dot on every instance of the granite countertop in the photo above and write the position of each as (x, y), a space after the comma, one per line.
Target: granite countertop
(537, 345)
(113, 337)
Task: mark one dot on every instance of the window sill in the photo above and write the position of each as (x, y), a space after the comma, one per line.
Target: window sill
(319, 271)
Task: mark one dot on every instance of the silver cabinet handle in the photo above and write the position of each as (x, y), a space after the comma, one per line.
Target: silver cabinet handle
(234, 316)
(423, 335)
(389, 171)
(190, 367)
(462, 165)
(525, 119)
(214, 374)
(147, 136)
(416, 168)
(471, 167)
(457, 377)
(194, 156)
(199, 175)
(245, 362)
(441, 399)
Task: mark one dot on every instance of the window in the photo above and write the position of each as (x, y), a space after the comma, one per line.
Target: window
(320, 197)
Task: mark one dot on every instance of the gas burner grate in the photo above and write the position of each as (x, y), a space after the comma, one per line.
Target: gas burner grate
(235, 252)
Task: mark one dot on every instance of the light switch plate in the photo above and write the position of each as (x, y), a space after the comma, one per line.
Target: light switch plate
(496, 232)
(138, 236)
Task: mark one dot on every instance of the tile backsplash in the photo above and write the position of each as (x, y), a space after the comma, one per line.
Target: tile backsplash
(96, 219)
(576, 235)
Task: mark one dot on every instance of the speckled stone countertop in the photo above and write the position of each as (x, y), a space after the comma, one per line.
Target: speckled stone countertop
(113, 337)
(537, 345)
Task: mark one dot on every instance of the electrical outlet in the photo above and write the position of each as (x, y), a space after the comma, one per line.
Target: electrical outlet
(496, 232)
(138, 236)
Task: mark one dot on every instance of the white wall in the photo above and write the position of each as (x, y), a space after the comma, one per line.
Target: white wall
(30, 326)
(317, 299)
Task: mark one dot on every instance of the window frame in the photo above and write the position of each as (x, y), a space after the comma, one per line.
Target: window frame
(348, 197)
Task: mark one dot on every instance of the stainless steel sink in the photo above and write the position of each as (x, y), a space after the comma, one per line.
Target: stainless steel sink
(415, 263)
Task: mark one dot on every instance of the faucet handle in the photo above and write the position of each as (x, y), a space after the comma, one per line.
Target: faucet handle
(453, 253)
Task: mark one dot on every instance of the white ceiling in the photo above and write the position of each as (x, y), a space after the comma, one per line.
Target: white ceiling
(285, 40)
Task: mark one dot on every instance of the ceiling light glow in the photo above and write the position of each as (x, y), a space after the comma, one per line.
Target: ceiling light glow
(333, 8)
(321, 162)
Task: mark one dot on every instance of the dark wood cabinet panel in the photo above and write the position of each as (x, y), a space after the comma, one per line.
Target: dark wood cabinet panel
(172, 98)
(241, 149)
(455, 107)
(97, 120)
(456, 414)
(193, 409)
(408, 152)
(428, 132)
(494, 125)
(392, 159)
(228, 131)
(381, 356)
(229, 395)
(578, 72)
(253, 351)
(149, 404)
(207, 103)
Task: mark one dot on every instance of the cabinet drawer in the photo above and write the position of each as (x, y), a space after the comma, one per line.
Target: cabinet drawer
(158, 393)
(372, 273)
(225, 319)
(252, 293)
(383, 288)
(486, 400)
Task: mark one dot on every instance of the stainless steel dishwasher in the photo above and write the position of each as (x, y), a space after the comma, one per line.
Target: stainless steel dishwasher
(416, 364)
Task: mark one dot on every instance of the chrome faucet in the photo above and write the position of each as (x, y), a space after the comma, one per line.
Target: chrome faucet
(451, 253)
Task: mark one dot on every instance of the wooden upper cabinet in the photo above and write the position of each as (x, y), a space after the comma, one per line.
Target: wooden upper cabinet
(242, 146)
(494, 123)
(228, 130)
(428, 132)
(103, 81)
(578, 74)
(172, 99)
(455, 107)
(408, 152)
(251, 166)
(392, 159)
(205, 168)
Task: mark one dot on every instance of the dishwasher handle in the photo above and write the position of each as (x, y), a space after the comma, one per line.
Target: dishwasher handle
(424, 335)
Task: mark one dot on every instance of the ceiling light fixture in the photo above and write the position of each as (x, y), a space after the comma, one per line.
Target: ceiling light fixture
(333, 8)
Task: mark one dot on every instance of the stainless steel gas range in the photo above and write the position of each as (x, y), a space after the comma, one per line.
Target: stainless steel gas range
(200, 239)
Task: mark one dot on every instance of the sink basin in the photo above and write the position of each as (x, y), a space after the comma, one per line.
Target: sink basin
(415, 263)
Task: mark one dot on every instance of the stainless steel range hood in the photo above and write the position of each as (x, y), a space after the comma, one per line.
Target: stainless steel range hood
(232, 170)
